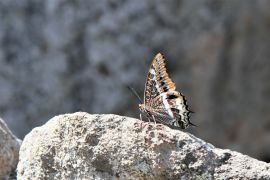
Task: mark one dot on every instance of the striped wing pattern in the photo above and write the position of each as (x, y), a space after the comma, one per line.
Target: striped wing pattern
(162, 102)
(158, 80)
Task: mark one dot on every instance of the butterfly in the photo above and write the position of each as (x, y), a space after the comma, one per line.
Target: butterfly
(162, 103)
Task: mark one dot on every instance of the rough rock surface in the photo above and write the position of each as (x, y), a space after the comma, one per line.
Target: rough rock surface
(80, 145)
(9, 151)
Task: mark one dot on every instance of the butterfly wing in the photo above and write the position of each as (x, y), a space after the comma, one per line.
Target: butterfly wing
(175, 114)
(158, 80)
(159, 111)
(157, 84)
(179, 109)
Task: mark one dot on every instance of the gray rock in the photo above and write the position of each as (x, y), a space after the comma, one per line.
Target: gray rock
(84, 146)
(9, 151)
(78, 56)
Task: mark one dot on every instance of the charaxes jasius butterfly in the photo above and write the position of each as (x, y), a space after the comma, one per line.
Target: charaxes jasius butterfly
(162, 103)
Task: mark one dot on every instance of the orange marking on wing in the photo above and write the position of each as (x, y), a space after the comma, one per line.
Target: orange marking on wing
(159, 66)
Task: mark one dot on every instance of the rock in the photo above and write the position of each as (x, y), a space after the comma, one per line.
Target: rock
(84, 146)
(9, 151)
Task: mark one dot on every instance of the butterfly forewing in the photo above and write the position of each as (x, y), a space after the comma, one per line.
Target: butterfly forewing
(158, 80)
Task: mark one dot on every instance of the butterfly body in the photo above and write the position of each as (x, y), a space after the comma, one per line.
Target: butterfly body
(162, 103)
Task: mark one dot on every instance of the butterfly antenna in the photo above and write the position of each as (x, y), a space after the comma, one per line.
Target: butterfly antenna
(135, 93)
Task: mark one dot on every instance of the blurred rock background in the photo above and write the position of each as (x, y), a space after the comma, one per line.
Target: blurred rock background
(66, 56)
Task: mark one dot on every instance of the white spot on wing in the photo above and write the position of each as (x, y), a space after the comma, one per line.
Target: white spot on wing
(166, 104)
(152, 71)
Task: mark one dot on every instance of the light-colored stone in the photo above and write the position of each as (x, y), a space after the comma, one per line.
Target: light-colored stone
(9, 151)
(84, 146)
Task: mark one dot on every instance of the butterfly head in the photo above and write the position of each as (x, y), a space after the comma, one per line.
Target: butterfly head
(142, 107)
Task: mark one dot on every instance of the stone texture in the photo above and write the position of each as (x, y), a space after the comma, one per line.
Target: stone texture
(84, 146)
(78, 56)
(9, 151)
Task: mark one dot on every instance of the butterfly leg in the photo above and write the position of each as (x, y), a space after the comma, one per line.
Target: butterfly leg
(148, 116)
(153, 117)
